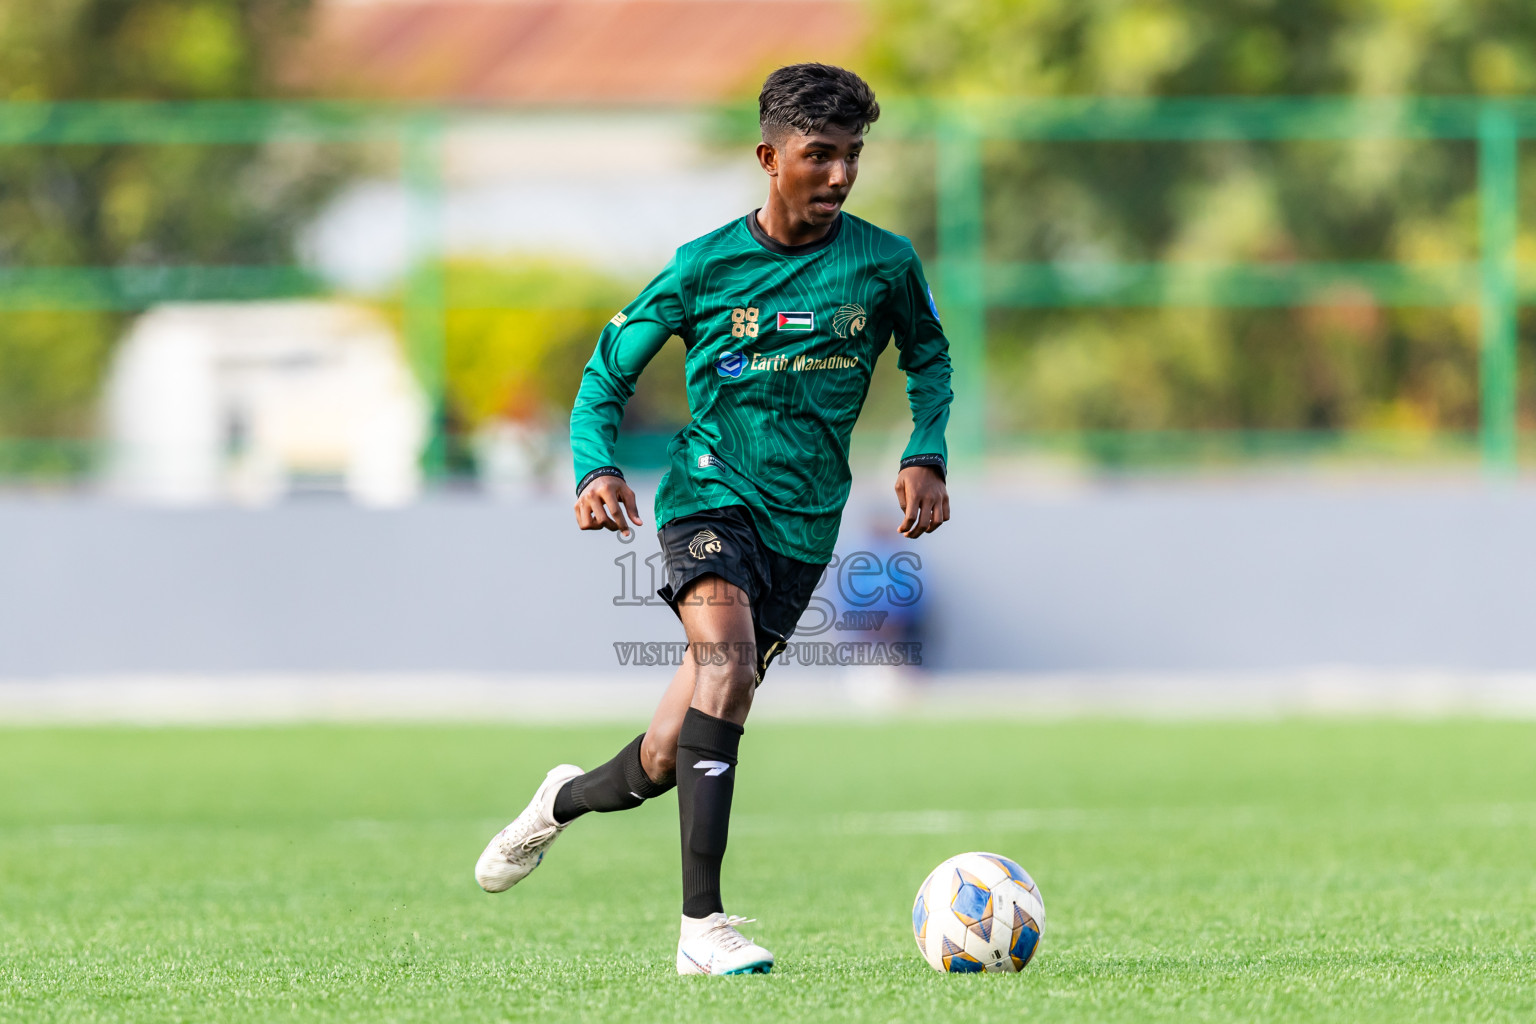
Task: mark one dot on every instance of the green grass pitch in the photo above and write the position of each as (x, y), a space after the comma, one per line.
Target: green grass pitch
(1307, 871)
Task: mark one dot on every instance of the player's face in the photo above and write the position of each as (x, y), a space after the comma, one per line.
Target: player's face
(816, 172)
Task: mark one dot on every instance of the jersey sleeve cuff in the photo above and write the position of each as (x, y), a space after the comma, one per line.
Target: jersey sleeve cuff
(933, 459)
(600, 471)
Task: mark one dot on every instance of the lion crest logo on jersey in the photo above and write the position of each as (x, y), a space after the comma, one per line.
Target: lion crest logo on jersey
(705, 542)
(849, 320)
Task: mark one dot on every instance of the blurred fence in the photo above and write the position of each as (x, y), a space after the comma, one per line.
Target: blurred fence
(969, 285)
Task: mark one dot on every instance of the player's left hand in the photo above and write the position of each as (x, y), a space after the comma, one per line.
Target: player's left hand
(921, 493)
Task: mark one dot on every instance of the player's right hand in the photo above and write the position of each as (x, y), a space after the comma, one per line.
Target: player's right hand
(602, 504)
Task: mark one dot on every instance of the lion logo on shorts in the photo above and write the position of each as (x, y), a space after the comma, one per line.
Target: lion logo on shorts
(705, 542)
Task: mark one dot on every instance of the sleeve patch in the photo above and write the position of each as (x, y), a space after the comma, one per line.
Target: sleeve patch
(619, 318)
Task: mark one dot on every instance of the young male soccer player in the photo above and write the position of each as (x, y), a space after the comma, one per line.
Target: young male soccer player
(783, 313)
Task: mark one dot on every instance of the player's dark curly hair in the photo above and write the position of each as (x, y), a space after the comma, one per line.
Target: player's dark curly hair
(809, 97)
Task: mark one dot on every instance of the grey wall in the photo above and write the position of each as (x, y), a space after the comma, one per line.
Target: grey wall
(1223, 578)
(1157, 577)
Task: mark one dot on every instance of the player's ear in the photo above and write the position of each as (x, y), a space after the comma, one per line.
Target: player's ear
(768, 159)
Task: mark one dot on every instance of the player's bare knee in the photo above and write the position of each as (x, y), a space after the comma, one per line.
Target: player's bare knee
(736, 702)
(724, 690)
(658, 756)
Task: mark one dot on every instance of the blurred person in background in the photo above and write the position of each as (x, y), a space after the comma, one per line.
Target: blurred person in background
(888, 587)
(783, 313)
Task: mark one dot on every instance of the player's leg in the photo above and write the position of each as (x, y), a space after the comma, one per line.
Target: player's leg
(658, 751)
(641, 771)
(718, 621)
(721, 641)
(632, 776)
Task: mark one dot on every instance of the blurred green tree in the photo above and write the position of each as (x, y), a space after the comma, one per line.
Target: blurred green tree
(1346, 366)
(520, 334)
(124, 205)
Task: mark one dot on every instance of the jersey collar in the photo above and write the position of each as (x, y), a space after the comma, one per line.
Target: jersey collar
(763, 239)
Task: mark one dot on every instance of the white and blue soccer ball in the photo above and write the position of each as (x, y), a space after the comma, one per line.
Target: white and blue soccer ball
(978, 912)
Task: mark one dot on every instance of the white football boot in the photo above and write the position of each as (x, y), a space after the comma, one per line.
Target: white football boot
(712, 945)
(516, 850)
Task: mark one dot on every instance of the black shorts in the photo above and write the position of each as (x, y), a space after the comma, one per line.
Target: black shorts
(723, 542)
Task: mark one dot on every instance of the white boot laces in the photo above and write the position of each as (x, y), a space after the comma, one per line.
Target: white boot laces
(518, 843)
(536, 838)
(727, 937)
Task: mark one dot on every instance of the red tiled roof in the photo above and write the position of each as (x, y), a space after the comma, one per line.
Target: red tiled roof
(566, 51)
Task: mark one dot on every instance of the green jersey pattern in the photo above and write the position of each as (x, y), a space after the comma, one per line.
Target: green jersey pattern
(781, 343)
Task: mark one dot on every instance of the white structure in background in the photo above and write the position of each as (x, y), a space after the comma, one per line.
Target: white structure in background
(210, 402)
(626, 191)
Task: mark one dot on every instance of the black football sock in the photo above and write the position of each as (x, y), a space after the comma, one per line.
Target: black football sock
(617, 785)
(706, 779)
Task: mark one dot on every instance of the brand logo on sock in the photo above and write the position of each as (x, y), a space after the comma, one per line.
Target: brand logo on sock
(715, 767)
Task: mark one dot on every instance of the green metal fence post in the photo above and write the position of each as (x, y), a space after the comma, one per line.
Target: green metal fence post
(967, 286)
(1498, 196)
(425, 299)
(960, 275)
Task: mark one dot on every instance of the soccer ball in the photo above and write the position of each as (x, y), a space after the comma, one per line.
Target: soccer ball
(978, 912)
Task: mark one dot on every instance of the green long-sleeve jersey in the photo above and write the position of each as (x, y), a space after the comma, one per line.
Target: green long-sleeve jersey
(781, 342)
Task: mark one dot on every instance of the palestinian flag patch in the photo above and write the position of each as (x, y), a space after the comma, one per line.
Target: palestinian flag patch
(797, 321)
